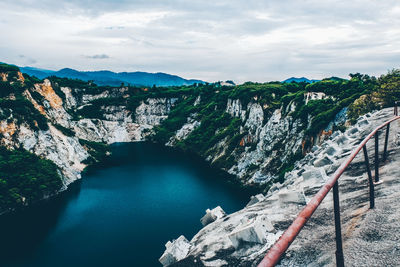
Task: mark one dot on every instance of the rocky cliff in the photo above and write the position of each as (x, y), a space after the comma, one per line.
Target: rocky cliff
(266, 141)
(256, 132)
(41, 118)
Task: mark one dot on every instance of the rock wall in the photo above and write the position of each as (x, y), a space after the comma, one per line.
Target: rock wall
(66, 151)
(256, 159)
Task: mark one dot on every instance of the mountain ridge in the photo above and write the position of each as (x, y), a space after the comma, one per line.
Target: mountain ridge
(106, 77)
(298, 80)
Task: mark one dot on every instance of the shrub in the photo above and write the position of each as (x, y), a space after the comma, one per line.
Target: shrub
(25, 178)
(65, 131)
(98, 151)
(7, 68)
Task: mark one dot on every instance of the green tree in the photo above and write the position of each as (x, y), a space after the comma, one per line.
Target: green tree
(389, 89)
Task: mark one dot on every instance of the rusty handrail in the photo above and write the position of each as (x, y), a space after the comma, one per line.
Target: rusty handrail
(280, 247)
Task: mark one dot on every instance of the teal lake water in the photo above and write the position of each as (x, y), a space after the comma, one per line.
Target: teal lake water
(121, 213)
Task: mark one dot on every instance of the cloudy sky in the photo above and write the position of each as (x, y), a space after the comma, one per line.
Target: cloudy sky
(210, 40)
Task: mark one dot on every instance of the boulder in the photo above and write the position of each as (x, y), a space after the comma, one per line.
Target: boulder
(291, 197)
(175, 251)
(254, 231)
(353, 131)
(255, 199)
(315, 174)
(331, 151)
(336, 133)
(311, 190)
(322, 162)
(362, 122)
(212, 215)
(341, 140)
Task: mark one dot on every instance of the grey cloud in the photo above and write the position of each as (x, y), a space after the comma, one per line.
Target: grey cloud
(27, 60)
(100, 56)
(211, 38)
(114, 28)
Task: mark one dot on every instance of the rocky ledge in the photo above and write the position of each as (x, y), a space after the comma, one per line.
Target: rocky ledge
(242, 238)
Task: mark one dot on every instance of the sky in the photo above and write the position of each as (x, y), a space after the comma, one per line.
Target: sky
(251, 40)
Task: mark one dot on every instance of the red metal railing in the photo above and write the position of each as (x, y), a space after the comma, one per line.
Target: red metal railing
(278, 249)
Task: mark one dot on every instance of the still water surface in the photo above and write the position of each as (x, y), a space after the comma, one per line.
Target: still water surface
(121, 213)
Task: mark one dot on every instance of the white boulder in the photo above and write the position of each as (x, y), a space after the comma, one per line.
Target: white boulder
(212, 215)
(255, 199)
(287, 197)
(255, 231)
(175, 251)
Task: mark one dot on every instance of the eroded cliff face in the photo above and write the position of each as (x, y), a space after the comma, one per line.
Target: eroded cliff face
(265, 144)
(51, 144)
(118, 126)
(66, 151)
(279, 135)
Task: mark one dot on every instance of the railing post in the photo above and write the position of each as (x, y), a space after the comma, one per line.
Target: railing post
(377, 157)
(338, 230)
(370, 181)
(386, 142)
(395, 108)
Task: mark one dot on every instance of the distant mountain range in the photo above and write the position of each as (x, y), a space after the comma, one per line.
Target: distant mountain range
(106, 77)
(299, 80)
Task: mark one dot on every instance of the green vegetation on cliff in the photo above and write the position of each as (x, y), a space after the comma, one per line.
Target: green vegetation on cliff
(340, 93)
(97, 151)
(217, 125)
(22, 111)
(13, 104)
(4, 68)
(25, 178)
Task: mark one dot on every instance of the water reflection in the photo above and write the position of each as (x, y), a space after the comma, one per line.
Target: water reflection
(23, 231)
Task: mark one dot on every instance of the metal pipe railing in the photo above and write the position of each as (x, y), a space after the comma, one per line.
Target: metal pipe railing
(279, 248)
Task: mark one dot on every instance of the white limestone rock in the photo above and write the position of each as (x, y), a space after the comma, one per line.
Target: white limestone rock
(332, 150)
(287, 197)
(212, 215)
(153, 110)
(314, 174)
(254, 231)
(323, 161)
(87, 98)
(234, 108)
(255, 118)
(314, 96)
(70, 101)
(197, 101)
(185, 130)
(215, 263)
(175, 251)
(255, 199)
